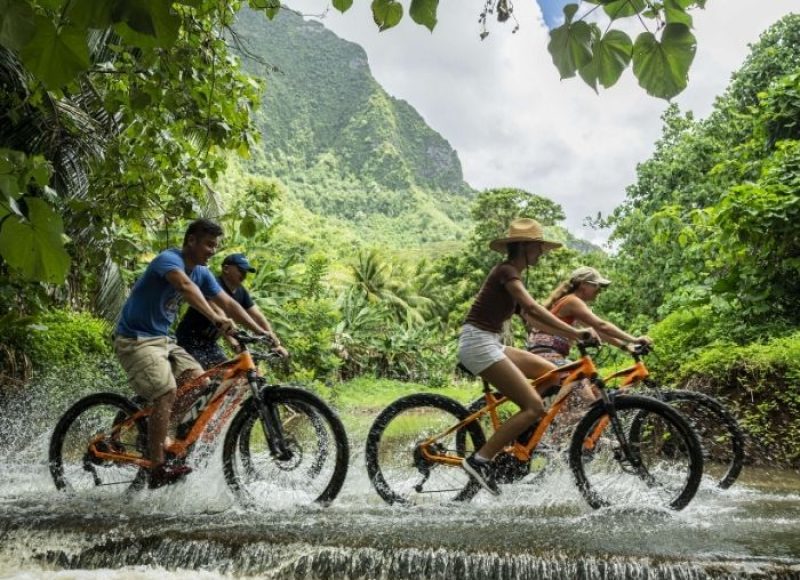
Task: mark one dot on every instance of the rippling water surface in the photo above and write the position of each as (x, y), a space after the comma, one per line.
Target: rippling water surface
(541, 530)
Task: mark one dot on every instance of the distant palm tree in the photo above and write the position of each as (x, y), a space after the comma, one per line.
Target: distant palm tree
(390, 285)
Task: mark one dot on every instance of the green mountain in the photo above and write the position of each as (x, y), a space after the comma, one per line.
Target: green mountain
(343, 147)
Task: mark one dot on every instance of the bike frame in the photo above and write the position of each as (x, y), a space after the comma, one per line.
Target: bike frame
(233, 375)
(570, 377)
(630, 376)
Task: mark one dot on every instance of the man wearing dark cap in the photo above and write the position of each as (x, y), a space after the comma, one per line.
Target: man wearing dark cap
(198, 336)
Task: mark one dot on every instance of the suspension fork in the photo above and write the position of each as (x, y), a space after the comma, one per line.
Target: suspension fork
(270, 421)
(616, 426)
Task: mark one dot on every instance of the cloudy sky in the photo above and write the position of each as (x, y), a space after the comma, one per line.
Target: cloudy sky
(501, 105)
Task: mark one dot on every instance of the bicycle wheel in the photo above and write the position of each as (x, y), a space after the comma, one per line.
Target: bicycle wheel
(647, 455)
(316, 422)
(75, 469)
(395, 465)
(318, 457)
(721, 437)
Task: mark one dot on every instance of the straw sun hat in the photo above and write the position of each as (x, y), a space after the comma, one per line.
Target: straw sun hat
(524, 230)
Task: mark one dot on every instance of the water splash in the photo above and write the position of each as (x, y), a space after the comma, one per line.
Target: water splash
(541, 528)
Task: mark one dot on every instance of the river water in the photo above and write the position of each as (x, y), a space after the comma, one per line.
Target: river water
(541, 530)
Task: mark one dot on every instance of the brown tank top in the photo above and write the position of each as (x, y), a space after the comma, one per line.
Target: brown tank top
(494, 304)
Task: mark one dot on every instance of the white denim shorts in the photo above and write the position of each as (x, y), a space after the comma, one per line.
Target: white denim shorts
(479, 349)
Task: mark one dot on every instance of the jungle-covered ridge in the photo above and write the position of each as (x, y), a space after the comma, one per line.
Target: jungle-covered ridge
(340, 144)
(370, 245)
(345, 149)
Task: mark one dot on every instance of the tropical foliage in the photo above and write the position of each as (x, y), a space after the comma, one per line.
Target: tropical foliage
(131, 106)
(708, 252)
(710, 219)
(103, 160)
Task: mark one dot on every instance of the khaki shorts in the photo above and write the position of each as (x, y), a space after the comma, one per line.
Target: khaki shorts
(152, 364)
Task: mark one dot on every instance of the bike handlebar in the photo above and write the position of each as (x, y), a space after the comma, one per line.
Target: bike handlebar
(269, 357)
(585, 344)
(245, 338)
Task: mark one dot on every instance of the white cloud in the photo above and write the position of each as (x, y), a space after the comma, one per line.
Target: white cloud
(502, 106)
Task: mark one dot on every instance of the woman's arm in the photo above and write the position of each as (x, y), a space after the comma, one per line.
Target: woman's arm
(535, 311)
(537, 324)
(579, 310)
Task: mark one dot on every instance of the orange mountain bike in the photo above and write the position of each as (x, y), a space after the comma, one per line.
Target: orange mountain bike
(721, 437)
(626, 447)
(282, 443)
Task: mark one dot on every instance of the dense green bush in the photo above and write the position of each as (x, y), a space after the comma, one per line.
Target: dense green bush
(761, 382)
(58, 338)
(680, 337)
(309, 337)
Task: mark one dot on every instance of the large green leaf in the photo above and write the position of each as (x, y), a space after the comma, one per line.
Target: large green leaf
(147, 23)
(663, 67)
(269, 7)
(342, 5)
(91, 13)
(611, 56)
(34, 247)
(424, 12)
(570, 47)
(675, 12)
(16, 23)
(623, 8)
(247, 227)
(56, 57)
(386, 13)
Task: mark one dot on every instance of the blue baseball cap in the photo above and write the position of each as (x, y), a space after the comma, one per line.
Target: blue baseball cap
(239, 261)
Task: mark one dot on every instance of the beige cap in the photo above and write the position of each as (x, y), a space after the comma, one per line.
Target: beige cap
(589, 274)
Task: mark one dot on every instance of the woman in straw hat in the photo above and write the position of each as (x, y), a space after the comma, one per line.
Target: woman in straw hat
(570, 303)
(509, 369)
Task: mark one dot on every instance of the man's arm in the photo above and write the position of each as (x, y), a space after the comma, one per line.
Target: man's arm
(256, 314)
(235, 311)
(192, 294)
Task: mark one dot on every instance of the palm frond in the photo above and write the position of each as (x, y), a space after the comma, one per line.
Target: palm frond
(112, 292)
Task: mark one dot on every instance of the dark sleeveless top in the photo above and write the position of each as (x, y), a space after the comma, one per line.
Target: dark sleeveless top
(494, 304)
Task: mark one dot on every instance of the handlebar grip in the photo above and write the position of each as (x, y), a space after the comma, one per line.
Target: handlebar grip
(589, 343)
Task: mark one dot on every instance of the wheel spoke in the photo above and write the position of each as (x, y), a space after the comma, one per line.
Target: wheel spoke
(398, 469)
(316, 456)
(97, 422)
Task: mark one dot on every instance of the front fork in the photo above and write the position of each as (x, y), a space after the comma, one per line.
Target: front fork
(625, 452)
(270, 420)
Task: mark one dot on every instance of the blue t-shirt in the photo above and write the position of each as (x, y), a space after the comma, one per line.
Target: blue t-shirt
(153, 304)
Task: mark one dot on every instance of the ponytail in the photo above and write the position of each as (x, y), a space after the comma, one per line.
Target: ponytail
(566, 287)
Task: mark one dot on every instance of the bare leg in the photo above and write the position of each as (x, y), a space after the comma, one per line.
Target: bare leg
(158, 425)
(533, 366)
(509, 377)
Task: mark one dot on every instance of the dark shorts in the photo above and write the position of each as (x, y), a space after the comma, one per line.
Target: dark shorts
(207, 353)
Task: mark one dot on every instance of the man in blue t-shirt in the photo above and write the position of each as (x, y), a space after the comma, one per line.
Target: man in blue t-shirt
(198, 335)
(153, 362)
